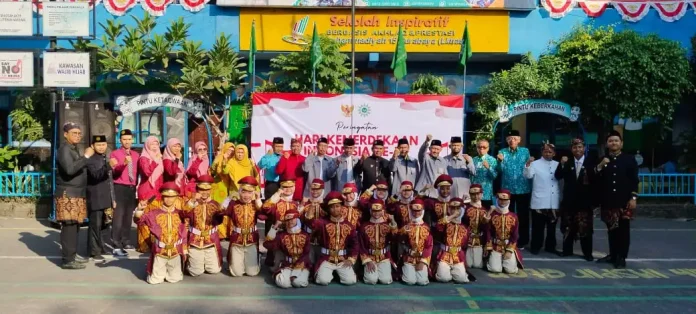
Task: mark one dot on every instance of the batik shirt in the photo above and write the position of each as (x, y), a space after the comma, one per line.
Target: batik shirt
(511, 169)
(485, 177)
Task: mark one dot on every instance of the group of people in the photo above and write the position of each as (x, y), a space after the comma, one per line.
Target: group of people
(401, 218)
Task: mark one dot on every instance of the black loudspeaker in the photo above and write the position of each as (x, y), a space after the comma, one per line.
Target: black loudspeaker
(75, 112)
(101, 122)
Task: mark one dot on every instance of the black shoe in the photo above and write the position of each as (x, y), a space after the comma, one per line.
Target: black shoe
(589, 258)
(606, 259)
(621, 263)
(129, 247)
(81, 260)
(97, 258)
(73, 265)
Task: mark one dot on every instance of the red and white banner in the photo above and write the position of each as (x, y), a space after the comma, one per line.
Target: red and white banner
(119, 7)
(630, 10)
(193, 5)
(155, 7)
(308, 117)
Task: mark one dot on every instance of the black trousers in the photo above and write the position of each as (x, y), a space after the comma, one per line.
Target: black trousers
(123, 215)
(95, 244)
(585, 244)
(540, 222)
(270, 188)
(620, 240)
(519, 204)
(577, 226)
(69, 232)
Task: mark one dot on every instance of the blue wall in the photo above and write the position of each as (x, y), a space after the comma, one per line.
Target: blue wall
(532, 31)
(206, 25)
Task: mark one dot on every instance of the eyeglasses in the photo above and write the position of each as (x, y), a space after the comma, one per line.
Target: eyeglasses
(201, 149)
(482, 147)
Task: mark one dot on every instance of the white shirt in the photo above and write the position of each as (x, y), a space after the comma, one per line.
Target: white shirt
(545, 187)
(578, 165)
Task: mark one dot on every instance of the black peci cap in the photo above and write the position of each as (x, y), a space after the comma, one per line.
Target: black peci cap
(349, 141)
(277, 140)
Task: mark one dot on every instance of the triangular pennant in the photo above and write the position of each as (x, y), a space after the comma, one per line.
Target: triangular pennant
(118, 7)
(594, 8)
(155, 7)
(558, 8)
(632, 11)
(670, 11)
(193, 5)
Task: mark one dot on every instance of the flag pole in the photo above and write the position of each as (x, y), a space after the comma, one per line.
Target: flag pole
(253, 61)
(314, 80)
(466, 27)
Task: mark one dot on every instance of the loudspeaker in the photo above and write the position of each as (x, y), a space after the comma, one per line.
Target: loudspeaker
(75, 112)
(101, 122)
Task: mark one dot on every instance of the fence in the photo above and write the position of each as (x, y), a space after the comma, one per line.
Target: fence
(36, 184)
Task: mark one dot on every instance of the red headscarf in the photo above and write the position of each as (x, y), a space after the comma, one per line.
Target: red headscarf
(152, 155)
(205, 162)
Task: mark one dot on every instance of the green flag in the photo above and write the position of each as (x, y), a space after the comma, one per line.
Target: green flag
(315, 49)
(399, 60)
(464, 51)
(252, 50)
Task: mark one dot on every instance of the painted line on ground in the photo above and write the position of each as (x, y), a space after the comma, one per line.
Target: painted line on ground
(465, 294)
(334, 298)
(189, 285)
(491, 311)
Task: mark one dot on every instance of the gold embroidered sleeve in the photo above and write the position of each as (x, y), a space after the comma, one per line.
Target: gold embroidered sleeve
(365, 259)
(511, 247)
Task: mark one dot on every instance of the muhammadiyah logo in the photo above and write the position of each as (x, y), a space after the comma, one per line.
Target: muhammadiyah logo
(298, 29)
(364, 110)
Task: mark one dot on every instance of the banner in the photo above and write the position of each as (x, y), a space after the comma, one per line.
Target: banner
(376, 30)
(66, 19)
(556, 107)
(16, 19)
(428, 4)
(66, 69)
(366, 118)
(16, 69)
(129, 105)
(630, 10)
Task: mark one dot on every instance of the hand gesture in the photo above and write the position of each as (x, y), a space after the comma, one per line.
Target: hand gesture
(314, 152)
(468, 158)
(257, 195)
(89, 152)
(277, 224)
(507, 255)
(604, 162)
(113, 204)
(113, 162)
(485, 164)
(500, 156)
(371, 267)
(128, 159)
(631, 204)
(395, 154)
(198, 196)
(365, 155)
(428, 137)
(347, 263)
(286, 154)
(372, 188)
(269, 152)
(142, 204)
(564, 159)
(529, 161)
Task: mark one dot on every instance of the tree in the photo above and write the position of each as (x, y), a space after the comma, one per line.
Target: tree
(333, 72)
(32, 119)
(528, 79)
(622, 74)
(428, 84)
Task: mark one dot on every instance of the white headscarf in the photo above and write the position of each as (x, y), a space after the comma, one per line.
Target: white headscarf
(416, 220)
(297, 228)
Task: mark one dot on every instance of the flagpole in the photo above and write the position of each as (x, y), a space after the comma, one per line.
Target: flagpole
(314, 80)
(253, 61)
(466, 27)
(352, 61)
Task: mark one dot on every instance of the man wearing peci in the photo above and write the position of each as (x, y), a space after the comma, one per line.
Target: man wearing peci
(405, 168)
(100, 196)
(373, 168)
(319, 165)
(511, 164)
(346, 163)
(268, 163)
(124, 162)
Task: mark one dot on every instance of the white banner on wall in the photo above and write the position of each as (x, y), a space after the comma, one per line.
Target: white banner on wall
(385, 117)
(16, 69)
(66, 69)
(16, 19)
(66, 19)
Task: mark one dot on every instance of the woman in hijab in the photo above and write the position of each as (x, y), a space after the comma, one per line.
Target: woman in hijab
(198, 166)
(151, 169)
(240, 167)
(173, 166)
(221, 186)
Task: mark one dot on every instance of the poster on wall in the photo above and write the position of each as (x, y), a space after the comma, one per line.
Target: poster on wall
(358, 116)
(16, 19)
(66, 69)
(66, 19)
(16, 69)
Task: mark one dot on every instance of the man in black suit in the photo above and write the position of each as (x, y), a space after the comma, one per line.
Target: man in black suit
(577, 204)
(100, 196)
(373, 168)
(618, 183)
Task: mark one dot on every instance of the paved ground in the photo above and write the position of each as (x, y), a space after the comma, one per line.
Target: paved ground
(661, 279)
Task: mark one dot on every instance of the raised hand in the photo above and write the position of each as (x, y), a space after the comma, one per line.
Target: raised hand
(113, 162)
(89, 152)
(485, 164)
(530, 161)
(564, 159)
(501, 156)
(429, 137)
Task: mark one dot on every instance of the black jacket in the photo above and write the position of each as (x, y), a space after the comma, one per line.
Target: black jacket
(578, 191)
(373, 169)
(72, 175)
(618, 181)
(98, 183)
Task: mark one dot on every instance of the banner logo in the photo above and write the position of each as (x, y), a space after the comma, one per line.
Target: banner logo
(364, 110)
(347, 110)
(298, 29)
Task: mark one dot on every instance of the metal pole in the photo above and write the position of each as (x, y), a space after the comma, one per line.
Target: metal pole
(352, 60)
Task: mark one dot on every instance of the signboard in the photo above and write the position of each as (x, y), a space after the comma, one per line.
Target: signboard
(129, 105)
(16, 69)
(16, 19)
(66, 19)
(538, 105)
(66, 69)
(410, 116)
(458, 4)
(376, 31)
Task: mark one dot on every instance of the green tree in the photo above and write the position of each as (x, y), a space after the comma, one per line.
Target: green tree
(333, 72)
(428, 84)
(528, 79)
(32, 119)
(623, 73)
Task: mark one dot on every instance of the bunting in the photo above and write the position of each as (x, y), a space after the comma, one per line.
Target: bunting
(193, 5)
(630, 10)
(118, 7)
(155, 7)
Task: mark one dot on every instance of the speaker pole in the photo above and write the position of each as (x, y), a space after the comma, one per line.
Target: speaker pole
(53, 98)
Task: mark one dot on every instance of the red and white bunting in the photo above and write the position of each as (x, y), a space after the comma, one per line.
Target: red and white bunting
(670, 11)
(193, 5)
(119, 7)
(155, 7)
(558, 8)
(632, 11)
(594, 8)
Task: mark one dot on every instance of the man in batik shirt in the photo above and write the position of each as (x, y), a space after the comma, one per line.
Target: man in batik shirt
(511, 163)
